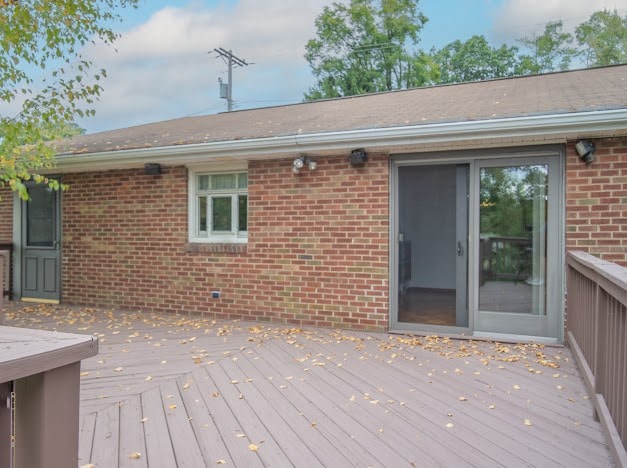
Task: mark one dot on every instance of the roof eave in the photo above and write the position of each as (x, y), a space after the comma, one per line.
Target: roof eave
(519, 130)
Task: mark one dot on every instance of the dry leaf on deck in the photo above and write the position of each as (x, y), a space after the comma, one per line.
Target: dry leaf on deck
(135, 456)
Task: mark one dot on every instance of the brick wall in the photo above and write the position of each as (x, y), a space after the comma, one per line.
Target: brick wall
(6, 215)
(317, 250)
(596, 201)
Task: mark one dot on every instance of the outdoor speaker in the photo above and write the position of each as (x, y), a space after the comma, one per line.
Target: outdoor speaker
(358, 156)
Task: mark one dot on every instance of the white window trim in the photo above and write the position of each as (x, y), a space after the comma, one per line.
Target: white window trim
(192, 205)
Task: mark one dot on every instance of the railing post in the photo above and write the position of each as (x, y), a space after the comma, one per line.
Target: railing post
(598, 360)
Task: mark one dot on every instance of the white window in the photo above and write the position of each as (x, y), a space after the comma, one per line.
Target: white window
(218, 206)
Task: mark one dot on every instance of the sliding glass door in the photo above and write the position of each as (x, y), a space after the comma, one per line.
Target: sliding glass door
(477, 246)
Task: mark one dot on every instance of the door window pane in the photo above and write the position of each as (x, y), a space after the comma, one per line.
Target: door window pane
(513, 242)
(221, 213)
(203, 182)
(432, 245)
(202, 214)
(40, 217)
(243, 212)
(223, 181)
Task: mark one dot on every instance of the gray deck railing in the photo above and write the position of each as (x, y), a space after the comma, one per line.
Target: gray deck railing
(597, 334)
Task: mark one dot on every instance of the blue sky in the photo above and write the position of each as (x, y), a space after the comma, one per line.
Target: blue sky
(163, 69)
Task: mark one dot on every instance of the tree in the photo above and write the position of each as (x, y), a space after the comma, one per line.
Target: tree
(47, 81)
(475, 60)
(361, 48)
(603, 38)
(550, 51)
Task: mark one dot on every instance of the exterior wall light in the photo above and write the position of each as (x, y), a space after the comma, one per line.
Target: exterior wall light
(301, 161)
(585, 150)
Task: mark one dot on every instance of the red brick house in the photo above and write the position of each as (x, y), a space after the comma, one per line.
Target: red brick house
(442, 209)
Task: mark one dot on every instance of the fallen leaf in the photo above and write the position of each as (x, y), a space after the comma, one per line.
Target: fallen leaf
(186, 385)
(491, 407)
(148, 378)
(240, 435)
(88, 465)
(118, 369)
(221, 461)
(450, 425)
(462, 398)
(172, 406)
(527, 422)
(135, 456)
(516, 387)
(144, 420)
(253, 447)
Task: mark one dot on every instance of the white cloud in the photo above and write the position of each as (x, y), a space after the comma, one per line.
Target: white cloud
(520, 18)
(163, 68)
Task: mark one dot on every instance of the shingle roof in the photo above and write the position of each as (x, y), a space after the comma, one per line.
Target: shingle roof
(594, 89)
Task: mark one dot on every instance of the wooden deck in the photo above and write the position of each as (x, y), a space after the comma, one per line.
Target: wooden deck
(186, 391)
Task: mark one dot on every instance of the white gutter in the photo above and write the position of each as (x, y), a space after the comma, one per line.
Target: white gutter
(556, 127)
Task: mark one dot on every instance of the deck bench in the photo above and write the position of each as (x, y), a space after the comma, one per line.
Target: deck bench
(40, 377)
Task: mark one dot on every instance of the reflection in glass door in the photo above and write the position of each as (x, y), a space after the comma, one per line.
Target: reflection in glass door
(512, 237)
(518, 247)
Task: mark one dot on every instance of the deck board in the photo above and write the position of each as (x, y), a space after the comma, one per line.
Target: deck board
(132, 438)
(329, 440)
(376, 411)
(233, 435)
(86, 438)
(289, 441)
(205, 428)
(159, 450)
(106, 446)
(186, 449)
(305, 397)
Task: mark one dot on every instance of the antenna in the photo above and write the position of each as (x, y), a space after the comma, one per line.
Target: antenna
(226, 89)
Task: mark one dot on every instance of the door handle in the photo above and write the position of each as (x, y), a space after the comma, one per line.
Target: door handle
(460, 249)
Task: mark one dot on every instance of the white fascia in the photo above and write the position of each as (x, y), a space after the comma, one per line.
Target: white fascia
(556, 127)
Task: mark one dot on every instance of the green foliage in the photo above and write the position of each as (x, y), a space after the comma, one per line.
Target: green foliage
(45, 77)
(552, 50)
(361, 48)
(475, 60)
(603, 38)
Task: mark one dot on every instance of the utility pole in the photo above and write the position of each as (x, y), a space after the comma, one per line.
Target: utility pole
(226, 89)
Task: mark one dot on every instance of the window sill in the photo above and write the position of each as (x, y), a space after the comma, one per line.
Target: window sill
(218, 247)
